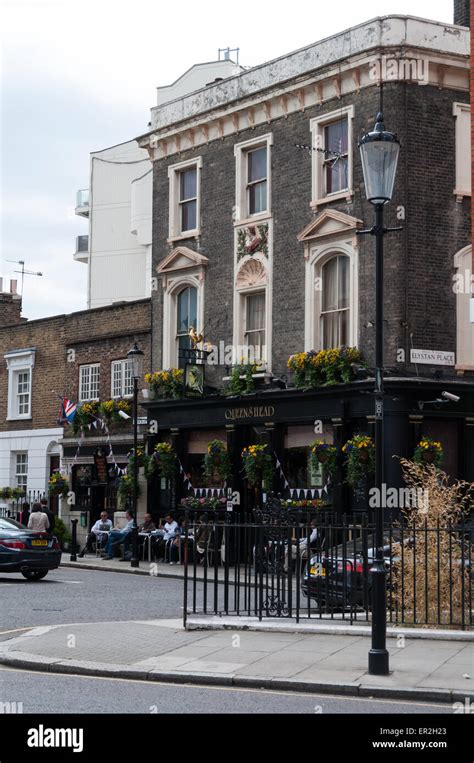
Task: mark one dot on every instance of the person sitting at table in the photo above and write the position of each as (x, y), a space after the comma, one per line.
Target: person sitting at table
(118, 535)
(148, 525)
(98, 534)
(165, 535)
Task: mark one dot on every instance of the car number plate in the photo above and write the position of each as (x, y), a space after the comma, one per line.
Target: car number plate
(318, 570)
(39, 543)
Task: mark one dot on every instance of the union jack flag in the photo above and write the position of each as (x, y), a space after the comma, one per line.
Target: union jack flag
(69, 410)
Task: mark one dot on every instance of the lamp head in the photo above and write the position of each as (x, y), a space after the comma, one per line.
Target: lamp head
(379, 150)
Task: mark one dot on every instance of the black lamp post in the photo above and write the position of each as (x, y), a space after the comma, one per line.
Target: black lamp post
(136, 356)
(379, 152)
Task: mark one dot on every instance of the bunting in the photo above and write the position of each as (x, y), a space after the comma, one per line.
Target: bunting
(281, 472)
(301, 494)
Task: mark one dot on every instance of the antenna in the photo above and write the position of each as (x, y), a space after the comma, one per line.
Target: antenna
(23, 273)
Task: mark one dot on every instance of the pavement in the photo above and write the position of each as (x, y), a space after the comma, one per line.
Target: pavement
(439, 670)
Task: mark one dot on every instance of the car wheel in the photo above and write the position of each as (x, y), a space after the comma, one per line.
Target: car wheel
(34, 574)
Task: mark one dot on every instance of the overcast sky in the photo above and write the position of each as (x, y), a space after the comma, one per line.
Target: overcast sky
(80, 75)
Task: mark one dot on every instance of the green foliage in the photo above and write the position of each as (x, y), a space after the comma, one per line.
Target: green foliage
(217, 461)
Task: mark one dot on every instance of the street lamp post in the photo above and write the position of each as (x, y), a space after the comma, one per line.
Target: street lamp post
(379, 152)
(136, 356)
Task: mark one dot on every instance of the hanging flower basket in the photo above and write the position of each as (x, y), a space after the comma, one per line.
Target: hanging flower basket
(167, 460)
(166, 384)
(58, 484)
(258, 465)
(359, 454)
(217, 462)
(428, 452)
(323, 453)
(324, 368)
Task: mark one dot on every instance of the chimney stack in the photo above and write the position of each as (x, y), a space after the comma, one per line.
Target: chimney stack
(462, 13)
(10, 305)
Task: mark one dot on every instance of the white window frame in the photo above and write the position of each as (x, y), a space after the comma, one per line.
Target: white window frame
(170, 308)
(122, 364)
(20, 472)
(18, 362)
(464, 328)
(241, 151)
(318, 257)
(174, 176)
(89, 398)
(462, 114)
(317, 125)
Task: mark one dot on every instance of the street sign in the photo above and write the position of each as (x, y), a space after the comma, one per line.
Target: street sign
(142, 421)
(433, 357)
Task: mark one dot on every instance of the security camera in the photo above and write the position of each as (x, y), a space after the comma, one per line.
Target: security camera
(450, 396)
(124, 415)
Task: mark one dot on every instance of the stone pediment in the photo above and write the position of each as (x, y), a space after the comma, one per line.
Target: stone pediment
(329, 223)
(182, 258)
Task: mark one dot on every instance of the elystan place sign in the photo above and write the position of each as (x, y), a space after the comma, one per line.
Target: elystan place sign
(433, 357)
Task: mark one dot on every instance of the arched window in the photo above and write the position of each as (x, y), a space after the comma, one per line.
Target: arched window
(186, 306)
(334, 317)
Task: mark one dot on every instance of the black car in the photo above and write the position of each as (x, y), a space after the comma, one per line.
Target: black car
(339, 578)
(27, 551)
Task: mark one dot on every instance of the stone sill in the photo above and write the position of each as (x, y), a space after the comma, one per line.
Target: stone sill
(263, 375)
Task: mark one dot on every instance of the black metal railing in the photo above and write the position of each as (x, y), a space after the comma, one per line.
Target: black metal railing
(293, 567)
(13, 507)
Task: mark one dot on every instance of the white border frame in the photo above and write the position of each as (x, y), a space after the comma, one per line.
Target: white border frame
(17, 361)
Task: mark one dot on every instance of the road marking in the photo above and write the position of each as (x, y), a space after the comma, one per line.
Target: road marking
(231, 688)
(17, 630)
(69, 582)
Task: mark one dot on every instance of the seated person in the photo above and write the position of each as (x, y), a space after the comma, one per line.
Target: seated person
(119, 536)
(165, 535)
(99, 533)
(148, 525)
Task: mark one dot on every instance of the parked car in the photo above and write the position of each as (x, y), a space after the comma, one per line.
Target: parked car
(339, 578)
(26, 551)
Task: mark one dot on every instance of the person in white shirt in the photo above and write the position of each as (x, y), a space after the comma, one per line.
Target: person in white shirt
(38, 520)
(119, 536)
(165, 535)
(99, 533)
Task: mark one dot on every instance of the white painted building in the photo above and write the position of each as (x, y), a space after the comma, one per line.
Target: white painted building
(118, 204)
(117, 248)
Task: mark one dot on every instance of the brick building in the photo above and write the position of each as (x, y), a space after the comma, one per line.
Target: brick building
(254, 243)
(83, 357)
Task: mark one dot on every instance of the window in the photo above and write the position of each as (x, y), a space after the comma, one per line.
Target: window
(89, 382)
(336, 166)
(332, 161)
(257, 181)
(20, 364)
(188, 199)
(122, 378)
(462, 113)
(334, 329)
(184, 203)
(21, 470)
(253, 192)
(464, 327)
(186, 305)
(254, 336)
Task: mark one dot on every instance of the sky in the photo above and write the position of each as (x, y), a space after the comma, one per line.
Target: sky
(79, 75)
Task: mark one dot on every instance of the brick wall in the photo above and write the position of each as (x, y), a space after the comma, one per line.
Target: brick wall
(99, 335)
(10, 309)
(419, 299)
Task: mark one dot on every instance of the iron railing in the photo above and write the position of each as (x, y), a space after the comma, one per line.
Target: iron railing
(12, 507)
(261, 568)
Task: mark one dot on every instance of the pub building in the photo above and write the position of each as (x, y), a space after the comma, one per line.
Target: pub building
(258, 199)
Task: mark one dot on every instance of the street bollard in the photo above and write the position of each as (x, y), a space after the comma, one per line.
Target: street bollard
(73, 557)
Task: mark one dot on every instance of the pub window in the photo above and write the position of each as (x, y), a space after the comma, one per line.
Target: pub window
(186, 305)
